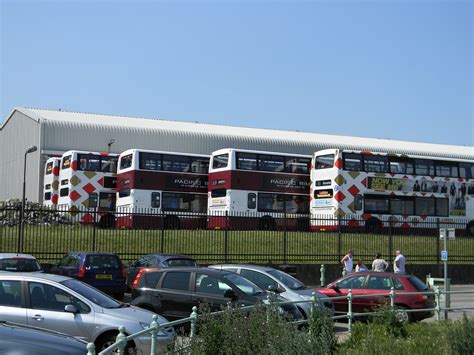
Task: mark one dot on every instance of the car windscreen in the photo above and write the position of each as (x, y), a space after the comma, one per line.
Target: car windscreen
(103, 262)
(19, 264)
(180, 262)
(420, 285)
(287, 280)
(244, 285)
(92, 294)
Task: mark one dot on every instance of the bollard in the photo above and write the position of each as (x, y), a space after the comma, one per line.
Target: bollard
(194, 317)
(322, 271)
(155, 328)
(349, 311)
(438, 304)
(90, 349)
(121, 340)
(392, 298)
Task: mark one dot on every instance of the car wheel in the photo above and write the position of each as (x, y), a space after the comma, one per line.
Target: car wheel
(401, 314)
(106, 340)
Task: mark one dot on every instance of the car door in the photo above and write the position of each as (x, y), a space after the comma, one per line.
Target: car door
(174, 294)
(355, 283)
(11, 302)
(45, 309)
(210, 290)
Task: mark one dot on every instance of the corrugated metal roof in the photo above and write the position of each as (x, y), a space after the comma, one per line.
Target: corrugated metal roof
(246, 135)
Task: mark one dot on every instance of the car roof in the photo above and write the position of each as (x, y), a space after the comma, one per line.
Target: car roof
(91, 253)
(16, 255)
(33, 276)
(191, 269)
(245, 266)
(170, 256)
(378, 273)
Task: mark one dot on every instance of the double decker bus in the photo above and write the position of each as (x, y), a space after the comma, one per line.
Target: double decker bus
(88, 186)
(161, 189)
(51, 182)
(258, 190)
(376, 190)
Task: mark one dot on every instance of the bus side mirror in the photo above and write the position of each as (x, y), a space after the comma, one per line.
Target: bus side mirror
(358, 202)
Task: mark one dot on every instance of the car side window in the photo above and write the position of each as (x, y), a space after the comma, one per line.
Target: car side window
(210, 285)
(354, 282)
(152, 279)
(261, 280)
(52, 298)
(379, 283)
(397, 285)
(176, 281)
(10, 295)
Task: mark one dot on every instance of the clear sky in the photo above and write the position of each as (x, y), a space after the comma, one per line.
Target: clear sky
(399, 69)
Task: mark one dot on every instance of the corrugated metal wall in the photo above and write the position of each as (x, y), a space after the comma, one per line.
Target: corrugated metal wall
(16, 137)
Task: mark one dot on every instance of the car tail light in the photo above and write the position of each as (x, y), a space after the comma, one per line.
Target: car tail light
(422, 297)
(137, 278)
(82, 272)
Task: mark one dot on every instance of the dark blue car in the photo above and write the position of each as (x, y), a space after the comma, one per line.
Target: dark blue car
(104, 271)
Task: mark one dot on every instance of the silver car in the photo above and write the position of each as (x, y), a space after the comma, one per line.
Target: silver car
(19, 262)
(286, 285)
(70, 306)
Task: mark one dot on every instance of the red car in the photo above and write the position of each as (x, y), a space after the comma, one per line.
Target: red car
(367, 283)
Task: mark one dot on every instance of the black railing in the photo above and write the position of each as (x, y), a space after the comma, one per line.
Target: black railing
(244, 237)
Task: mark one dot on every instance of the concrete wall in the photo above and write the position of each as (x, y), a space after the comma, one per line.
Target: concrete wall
(16, 137)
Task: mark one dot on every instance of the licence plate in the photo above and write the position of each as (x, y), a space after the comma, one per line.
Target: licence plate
(103, 276)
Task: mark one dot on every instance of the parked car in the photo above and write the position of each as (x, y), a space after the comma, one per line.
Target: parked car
(174, 291)
(60, 303)
(104, 271)
(278, 281)
(19, 262)
(17, 339)
(367, 283)
(157, 261)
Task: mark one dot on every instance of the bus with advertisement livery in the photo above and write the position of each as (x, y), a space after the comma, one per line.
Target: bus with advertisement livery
(88, 186)
(376, 190)
(161, 189)
(51, 182)
(258, 190)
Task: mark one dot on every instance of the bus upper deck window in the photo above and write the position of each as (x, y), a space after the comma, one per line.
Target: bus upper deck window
(324, 161)
(220, 161)
(352, 161)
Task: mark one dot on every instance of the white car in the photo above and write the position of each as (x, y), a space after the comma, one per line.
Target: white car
(72, 307)
(19, 262)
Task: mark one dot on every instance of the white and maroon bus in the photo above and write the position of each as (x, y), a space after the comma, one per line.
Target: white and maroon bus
(88, 186)
(51, 182)
(161, 189)
(376, 190)
(258, 190)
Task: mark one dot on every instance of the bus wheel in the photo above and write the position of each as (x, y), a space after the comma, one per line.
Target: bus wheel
(373, 225)
(267, 223)
(171, 222)
(107, 221)
(470, 229)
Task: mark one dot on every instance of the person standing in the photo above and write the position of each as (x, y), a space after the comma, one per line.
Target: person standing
(399, 263)
(360, 266)
(348, 262)
(379, 264)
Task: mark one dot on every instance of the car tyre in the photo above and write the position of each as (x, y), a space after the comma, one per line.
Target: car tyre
(105, 340)
(401, 315)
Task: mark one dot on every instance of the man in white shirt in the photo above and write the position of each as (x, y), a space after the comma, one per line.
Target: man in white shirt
(379, 264)
(399, 263)
(347, 262)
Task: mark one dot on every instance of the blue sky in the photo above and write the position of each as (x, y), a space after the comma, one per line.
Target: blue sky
(395, 69)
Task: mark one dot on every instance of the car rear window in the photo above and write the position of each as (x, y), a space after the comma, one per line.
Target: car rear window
(180, 262)
(103, 262)
(419, 285)
(19, 264)
(151, 279)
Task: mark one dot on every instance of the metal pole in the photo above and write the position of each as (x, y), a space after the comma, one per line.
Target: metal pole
(322, 271)
(349, 310)
(446, 305)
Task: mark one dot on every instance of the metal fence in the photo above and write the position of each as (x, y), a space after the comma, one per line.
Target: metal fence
(49, 234)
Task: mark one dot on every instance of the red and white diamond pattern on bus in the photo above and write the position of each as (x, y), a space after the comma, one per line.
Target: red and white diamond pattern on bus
(339, 196)
(89, 188)
(74, 196)
(354, 190)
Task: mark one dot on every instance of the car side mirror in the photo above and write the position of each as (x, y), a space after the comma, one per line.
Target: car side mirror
(70, 308)
(229, 293)
(276, 289)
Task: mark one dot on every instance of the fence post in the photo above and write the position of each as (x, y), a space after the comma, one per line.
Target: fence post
(390, 237)
(438, 303)
(349, 311)
(155, 327)
(121, 340)
(437, 242)
(194, 317)
(226, 235)
(94, 229)
(162, 239)
(90, 349)
(285, 239)
(20, 224)
(339, 241)
(392, 298)
(322, 271)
